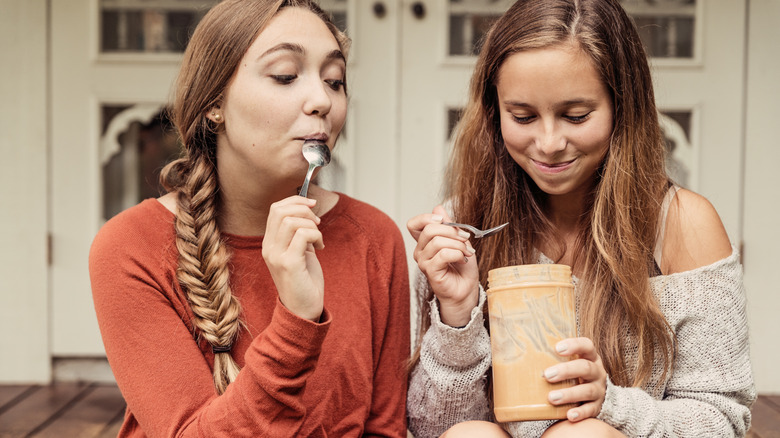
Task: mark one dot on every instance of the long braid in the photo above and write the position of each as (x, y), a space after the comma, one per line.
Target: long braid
(212, 56)
(203, 268)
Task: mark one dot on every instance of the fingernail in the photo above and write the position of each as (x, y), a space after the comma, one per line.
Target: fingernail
(556, 395)
(470, 250)
(437, 218)
(463, 234)
(561, 347)
(573, 415)
(549, 373)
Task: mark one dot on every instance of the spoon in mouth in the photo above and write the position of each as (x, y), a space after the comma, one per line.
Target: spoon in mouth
(318, 155)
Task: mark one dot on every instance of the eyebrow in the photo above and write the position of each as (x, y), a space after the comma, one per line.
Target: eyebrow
(298, 49)
(570, 102)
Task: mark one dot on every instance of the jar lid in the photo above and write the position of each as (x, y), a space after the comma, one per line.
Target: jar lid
(519, 274)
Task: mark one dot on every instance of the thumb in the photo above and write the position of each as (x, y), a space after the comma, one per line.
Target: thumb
(439, 210)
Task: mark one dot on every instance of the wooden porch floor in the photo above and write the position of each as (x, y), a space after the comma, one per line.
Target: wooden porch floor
(96, 410)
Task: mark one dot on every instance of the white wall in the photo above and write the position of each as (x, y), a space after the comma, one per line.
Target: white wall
(23, 192)
(761, 220)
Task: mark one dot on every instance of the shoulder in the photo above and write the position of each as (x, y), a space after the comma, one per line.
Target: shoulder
(355, 224)
(694, 236)
(366, 219)
(141, 228)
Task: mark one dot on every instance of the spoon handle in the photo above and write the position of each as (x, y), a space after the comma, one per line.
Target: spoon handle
(305, 187)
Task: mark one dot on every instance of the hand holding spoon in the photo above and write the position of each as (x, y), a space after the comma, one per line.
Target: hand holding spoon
(318, 155)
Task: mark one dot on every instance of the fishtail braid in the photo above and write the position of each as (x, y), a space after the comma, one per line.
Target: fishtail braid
(203, 267)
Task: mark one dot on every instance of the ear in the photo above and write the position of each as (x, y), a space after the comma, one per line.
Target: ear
(215, 114)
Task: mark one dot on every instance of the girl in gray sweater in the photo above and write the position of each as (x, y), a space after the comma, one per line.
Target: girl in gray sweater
(561, 139)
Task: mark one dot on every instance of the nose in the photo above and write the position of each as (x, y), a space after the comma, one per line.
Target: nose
(318, 101)
(550, 139)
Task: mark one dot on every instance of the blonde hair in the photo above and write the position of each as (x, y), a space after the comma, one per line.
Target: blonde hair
(219, 42)
(617, 234)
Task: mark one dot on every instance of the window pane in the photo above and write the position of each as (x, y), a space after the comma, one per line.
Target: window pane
(132, 165)
(469, 21)
(146, 26)
(338, 12)
(680, 159)
(665, 26)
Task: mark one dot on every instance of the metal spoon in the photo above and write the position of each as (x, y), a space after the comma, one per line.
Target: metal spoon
(475, 232)
(318, 155)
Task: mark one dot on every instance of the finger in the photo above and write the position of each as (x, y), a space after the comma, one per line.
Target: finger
(292, 206)
(582, 347)
(287, 229)
(584, 411)
(416, 224)
(441, 262)
(585, 392)
(303, 239)
(440, 211)
(441, 250)
(584, 369)
(433, 231)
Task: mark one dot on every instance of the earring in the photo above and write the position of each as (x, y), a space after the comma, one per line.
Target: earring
(217, 117)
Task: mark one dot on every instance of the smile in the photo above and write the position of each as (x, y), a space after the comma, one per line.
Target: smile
(553, 167)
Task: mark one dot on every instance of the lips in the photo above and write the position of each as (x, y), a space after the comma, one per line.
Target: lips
(553, 167)
(318, 136)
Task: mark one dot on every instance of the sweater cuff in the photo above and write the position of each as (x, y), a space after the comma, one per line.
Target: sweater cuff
(462, 346)
(300, 332)
(610, 408)
(292, 343)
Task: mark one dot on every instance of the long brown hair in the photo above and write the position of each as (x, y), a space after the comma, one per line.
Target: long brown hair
(212, 56)
(618, 229)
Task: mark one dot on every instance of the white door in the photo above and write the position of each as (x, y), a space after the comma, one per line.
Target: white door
(436, 65)
(409, 71)
(112, 64)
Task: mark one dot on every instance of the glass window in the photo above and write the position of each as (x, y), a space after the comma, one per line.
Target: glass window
(680, 159)
(338, 12)
(137, 142)
(149, 26)
(667, 27)
(469, 21)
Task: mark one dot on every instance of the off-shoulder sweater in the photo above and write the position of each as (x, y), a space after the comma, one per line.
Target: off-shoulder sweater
(342, 377)
(708, 394)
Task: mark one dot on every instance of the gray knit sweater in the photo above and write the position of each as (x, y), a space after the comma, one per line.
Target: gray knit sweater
(708, 394)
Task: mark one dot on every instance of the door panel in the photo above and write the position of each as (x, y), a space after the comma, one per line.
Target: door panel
(84, 83)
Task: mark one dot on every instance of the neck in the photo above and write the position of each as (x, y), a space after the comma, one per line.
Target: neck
(244, 205)
(565, 212)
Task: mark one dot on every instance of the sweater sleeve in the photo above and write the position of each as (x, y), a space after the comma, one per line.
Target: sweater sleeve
(164, 376)
(447, 385)
(390, 316)
(711, 389)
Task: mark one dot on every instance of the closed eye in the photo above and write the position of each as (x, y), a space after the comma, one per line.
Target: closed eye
(523, 120)
(578, 119)
(335, 84)
(284, 79)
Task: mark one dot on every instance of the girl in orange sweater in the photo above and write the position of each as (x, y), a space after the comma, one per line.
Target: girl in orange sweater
(231, 306)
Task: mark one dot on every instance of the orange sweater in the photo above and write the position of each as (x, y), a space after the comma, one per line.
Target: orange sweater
(343, 377)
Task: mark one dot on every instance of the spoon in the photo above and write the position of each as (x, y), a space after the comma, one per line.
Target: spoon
(318, 155)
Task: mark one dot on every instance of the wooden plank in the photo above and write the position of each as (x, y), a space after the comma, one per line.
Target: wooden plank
(87, 416)
(112, 430)
(8, 393)
(34, 410)
(773, 399)
(766, 420)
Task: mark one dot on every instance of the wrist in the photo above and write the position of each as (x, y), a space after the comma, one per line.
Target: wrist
(458, 313)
